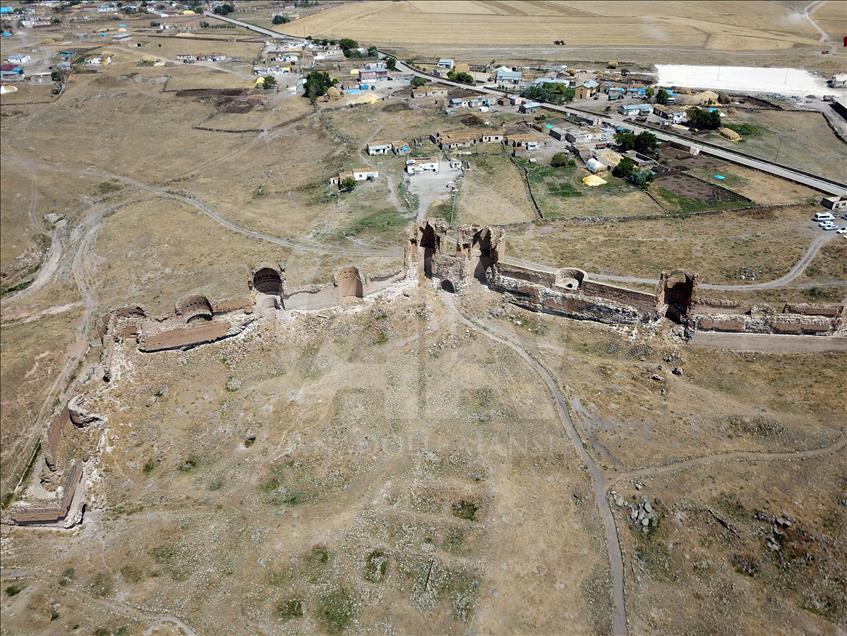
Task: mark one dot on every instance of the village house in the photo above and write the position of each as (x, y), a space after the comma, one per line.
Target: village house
(373, 72)
(417, 165)
(479, 102)
(506, 75)
(379, 148)
(529, 107)
(673, 115)
(358, 174)
(457, 139)
(493, 137)
(445, 64)
(400, 148)
(526, 140)
(11, 72)
(122, 37)
(18, 58)
(186, 58)
(586, 89)
(635, 110)
(282, 56)
(428, 91)
(551, 80)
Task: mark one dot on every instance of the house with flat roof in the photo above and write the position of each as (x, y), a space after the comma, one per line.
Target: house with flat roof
(529, 107)
(445, 63)
(358, 174)
(379, 148)
(635, 110)
(529, 140)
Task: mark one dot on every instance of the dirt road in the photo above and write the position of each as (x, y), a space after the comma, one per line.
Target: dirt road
(598, 479)
(769, 343)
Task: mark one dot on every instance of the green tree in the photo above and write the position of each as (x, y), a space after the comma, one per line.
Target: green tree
(703, 119)
(464, 78)
(223, 9)
(391, 63)
(269, 82)
(561, 160)
(348, 184)
(645, 142)
(347, 45)
(625, 169)
(649, 92)
(419, 81)
(373, 51)
(317, 84)
(663, 97)
(281, 19)
(628, 171)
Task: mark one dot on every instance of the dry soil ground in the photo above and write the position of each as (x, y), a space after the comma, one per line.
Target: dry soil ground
(407, 472)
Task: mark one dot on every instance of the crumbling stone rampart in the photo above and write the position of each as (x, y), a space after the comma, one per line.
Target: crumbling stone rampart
(55, 513)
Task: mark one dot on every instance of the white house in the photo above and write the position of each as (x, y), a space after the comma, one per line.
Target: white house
(446, 64)
(417, 165)
(358, 174)
(380, 148)
(18, 58)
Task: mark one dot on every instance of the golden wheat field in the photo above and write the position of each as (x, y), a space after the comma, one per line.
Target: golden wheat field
(718, 25)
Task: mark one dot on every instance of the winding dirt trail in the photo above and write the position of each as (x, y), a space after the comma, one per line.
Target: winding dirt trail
(807, 13)
(598, 478)
(783, 281)
(752, 456)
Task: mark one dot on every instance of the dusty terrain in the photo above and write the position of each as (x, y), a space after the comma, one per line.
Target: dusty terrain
(415, 460)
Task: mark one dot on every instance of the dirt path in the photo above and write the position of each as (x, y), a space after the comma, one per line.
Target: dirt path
(598, 478)
(807, 12)
(771, 343)
(753, 456)
(783, 281)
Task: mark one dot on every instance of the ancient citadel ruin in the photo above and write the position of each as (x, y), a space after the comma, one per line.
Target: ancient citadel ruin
(434, 255)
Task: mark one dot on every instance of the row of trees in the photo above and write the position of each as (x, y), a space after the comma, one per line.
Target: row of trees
(223, 9)
(351, 48)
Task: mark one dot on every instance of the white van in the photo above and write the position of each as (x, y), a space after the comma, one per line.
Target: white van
(823, 216)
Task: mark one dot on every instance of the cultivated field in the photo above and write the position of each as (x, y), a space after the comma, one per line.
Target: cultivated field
(509, 22)
(493, 191)
(797, 139)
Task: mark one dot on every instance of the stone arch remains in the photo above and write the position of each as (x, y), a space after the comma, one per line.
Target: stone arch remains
(448, 286)
(267, 280)
(195, 308)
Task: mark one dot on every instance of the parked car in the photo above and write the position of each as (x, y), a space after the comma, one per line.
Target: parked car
(842, 231)
(844, 216)
(829, 226)
(823, 216)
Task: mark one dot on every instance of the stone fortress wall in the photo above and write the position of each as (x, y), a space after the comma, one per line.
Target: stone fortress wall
(434, 252)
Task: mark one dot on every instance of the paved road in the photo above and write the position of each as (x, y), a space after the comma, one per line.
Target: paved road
(770, 343)
(818, 183)
(598, 477)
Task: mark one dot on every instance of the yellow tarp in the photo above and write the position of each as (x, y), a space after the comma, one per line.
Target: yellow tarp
(593, 180)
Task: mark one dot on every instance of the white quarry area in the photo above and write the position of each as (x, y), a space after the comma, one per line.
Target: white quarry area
(746, 79)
